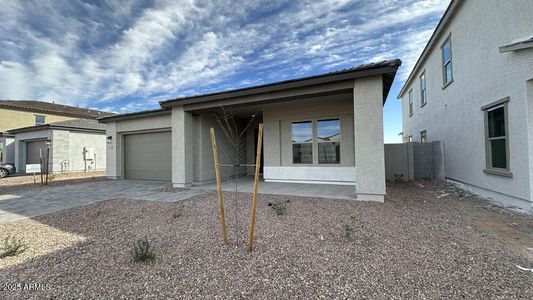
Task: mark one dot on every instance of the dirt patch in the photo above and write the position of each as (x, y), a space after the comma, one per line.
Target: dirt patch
(415, 245)
(22, 183)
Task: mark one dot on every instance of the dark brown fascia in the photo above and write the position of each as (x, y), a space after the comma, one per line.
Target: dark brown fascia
(134, 115)
(291, 84)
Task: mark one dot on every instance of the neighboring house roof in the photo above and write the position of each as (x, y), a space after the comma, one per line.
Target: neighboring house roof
(133, 115)
(386, 68)
(74, 125)
(453, 7)
(53, 108)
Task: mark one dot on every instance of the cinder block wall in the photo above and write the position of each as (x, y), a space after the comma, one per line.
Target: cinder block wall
(414, 161)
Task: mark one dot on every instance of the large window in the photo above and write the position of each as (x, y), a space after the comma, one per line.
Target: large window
(40, 120)
(497, 138)
(447, 72)
(329, 141)
(423, 95)
(302, 142)
(410, 102)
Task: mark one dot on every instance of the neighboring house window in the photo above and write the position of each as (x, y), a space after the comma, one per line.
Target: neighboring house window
(423, 136)
(497, 138)
(410, 102)
(302, 142)
(40, 120)
(410, 138)
(329, 141)
(423, 99)
(447, 72)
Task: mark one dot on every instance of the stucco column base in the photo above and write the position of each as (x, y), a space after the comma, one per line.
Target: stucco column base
(370, 197)
(182, 185)
(114, 177)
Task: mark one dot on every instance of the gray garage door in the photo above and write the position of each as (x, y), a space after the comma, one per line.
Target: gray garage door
(32, 151)
(148, 156)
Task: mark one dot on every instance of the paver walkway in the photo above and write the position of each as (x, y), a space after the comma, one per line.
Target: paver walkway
(31, 203)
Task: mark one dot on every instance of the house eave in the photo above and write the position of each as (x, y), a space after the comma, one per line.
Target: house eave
(443, 23)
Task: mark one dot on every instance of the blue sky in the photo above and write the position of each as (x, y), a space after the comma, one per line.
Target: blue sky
(128, 55)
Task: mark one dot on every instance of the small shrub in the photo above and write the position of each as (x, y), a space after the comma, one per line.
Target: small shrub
(348, 231)
(280, 207)
(142, 250)
(13, 246)
(398, 177)
(180, 208)
(51, 177)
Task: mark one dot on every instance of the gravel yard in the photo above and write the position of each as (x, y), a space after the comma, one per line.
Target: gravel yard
(426, 241)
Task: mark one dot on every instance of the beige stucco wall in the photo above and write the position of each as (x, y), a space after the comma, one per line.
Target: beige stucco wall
(482, 75)
(12, 119)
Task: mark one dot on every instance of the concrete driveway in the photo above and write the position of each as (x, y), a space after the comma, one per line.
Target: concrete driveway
(31, 203)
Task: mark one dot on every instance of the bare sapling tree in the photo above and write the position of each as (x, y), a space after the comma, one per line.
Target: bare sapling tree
(233, 162)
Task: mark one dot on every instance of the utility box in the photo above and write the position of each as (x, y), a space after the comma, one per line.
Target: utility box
(88, 153)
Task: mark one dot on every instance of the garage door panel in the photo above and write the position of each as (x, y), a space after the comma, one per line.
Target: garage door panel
(148, 156)
(32, 151)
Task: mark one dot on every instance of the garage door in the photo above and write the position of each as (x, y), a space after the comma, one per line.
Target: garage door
(148, 156)
(32, 151)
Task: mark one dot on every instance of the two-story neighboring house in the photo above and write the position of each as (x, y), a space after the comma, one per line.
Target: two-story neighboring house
(16, 114)
(472, 89)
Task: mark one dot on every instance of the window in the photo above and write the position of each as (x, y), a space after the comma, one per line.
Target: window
(410, 138)
(410, 102)
(447, 73)
(302, 142)
(497, 138)
(328, 139)
(40, 120)
(423, 136)
(423, 95)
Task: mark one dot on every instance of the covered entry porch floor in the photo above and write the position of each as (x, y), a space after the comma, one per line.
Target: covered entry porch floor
(245, 184)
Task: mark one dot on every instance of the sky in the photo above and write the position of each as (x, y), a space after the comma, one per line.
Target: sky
(126, 56)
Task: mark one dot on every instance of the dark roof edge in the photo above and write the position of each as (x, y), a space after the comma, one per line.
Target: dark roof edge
(133, 115)
(386, 67)
(452, 7)
(51, 126)
(6, 134)
(53, 112)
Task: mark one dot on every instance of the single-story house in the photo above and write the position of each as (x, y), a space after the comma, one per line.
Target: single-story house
(320, 129)
(75, 145)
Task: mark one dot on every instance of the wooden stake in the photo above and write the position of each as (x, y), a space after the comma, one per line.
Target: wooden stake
(256, 185)
(219, 187)
(47, 162)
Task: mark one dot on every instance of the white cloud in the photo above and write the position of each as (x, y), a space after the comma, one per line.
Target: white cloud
(84, 54)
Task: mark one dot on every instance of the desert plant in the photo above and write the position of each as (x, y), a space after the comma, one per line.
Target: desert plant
(280, 207)
(13, 246)
(178, 212)
(142, 250)
(348, 231)
(51, 177)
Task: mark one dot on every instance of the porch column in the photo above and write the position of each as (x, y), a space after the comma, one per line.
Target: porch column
(182, 158)
(113, 152)
(368, 139)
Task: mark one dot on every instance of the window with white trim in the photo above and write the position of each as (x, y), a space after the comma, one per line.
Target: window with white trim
(423, 94)
(302, 142)
(447, 71)
(410, 102)
(40, 119)
(329, 141)
(497, 138)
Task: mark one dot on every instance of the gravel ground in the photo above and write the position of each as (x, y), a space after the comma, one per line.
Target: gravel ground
(419, 244)
(22, 183)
